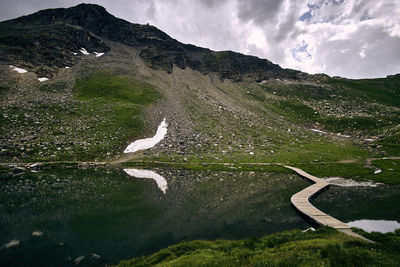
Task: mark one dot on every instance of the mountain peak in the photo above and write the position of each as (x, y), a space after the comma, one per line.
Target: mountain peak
(64, 30)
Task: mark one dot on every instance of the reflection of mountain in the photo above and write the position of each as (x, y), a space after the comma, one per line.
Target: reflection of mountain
(161, 182)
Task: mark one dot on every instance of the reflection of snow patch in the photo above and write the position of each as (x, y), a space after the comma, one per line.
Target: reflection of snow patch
(43, 79)
(369, 226)
(161, 182)
(79, 259)
(37, 233)
(95, 256)
(83, 51)
(147, 143)
(318, 131)
(348, 182)
(12, 243)
(19, 70)
(98, 54)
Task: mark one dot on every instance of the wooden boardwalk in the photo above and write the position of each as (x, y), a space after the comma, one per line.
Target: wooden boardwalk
(301, 202)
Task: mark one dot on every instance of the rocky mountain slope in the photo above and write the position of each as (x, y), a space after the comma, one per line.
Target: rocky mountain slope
(49, 38)
(222, 108)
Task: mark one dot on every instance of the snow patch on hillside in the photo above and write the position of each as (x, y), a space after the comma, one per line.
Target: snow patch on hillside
(43, 79)
(98, 54)
(147, 143)
(83, 51)
(318, 131)
(19, 70)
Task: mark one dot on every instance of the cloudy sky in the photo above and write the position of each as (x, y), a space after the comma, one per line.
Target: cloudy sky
(348, 38)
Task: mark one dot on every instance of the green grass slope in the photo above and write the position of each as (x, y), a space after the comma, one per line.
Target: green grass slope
(102, 114)
(324, 247)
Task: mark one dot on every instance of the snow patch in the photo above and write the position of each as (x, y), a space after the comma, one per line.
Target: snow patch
(147, 143)
(377, 171)
(382, 226)
(339, 181)
(318, 131)
(67, 67)
(19, 70)
(12, 243)
(98, 54)
(34, 165)
(79, 259)
(95, 256)
(37, 233)
(43, 79)
(74, 53)
(309, 229)
(161, 182)
(83, 51)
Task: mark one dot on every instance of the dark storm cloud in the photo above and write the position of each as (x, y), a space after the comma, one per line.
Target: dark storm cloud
(211, 3)
(258, 11)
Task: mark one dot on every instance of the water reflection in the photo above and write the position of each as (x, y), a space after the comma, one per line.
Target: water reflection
(369, 226)
(161, 182)
(349, 182)
(98, 211)
(355, 203)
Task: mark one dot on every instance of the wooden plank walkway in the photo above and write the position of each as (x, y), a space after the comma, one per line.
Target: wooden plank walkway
(301, 202)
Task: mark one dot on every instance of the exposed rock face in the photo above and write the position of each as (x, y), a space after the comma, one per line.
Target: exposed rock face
(47, 39)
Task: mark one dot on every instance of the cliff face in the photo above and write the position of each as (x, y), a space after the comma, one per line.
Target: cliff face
(46, 40)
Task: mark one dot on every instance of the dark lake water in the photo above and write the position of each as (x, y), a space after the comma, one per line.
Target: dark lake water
(372, 208)
(73, 212)
(64, 217)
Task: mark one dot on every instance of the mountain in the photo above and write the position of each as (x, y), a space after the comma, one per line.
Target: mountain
(49, 37)
(111, 82)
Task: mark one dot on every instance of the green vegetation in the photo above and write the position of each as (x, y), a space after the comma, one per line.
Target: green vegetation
(106, 114)
(325, 246)
(390, 171)
(212, 166)
(357, 170)
(115, 88)
(297, 112)
(391, 144)
(385, 91)
(293, 110)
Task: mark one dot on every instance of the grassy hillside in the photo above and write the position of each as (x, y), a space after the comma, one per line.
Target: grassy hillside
(324, 247)
(94, 120)
(222, 108)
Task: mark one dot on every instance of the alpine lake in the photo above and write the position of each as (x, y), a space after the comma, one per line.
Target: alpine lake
(69, 216)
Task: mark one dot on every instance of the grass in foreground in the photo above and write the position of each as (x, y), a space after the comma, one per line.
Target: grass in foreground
(324, 247)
